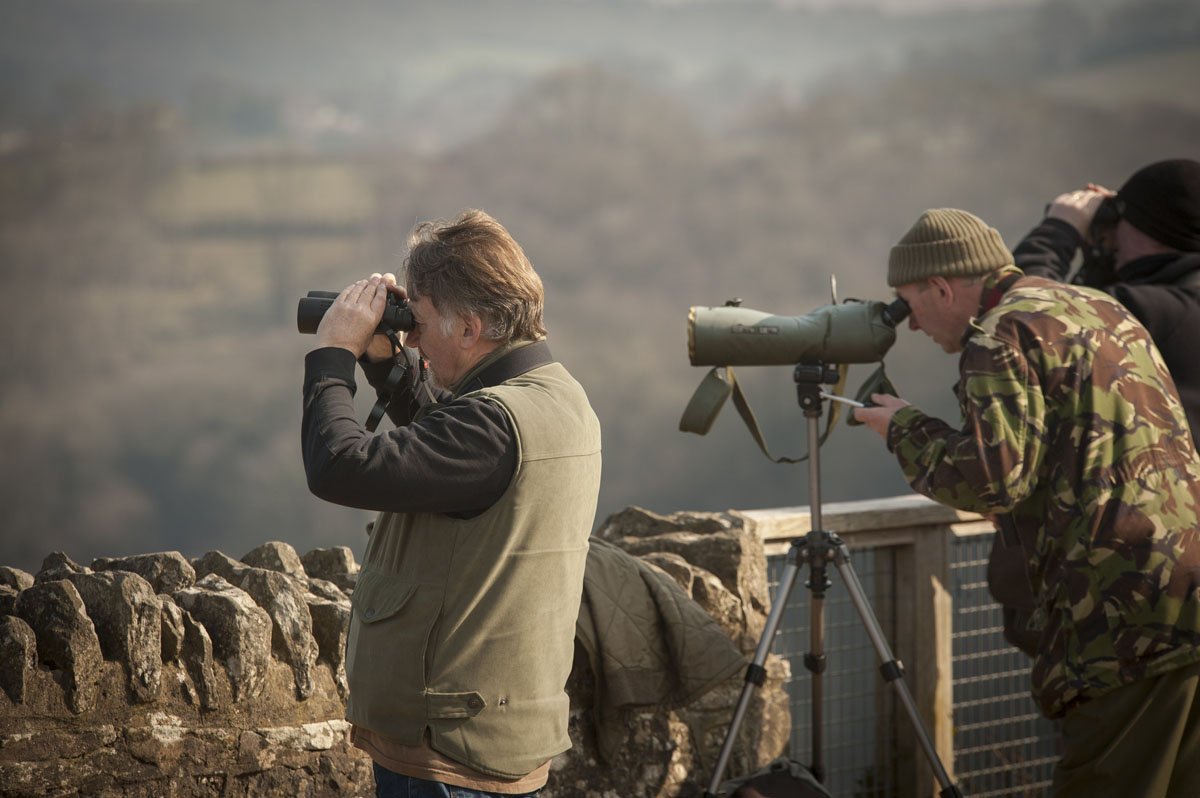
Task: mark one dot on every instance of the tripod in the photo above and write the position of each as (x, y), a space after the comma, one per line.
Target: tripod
(819, 548)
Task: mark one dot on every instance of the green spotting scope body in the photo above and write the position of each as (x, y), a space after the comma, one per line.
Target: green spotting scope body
(852, 332)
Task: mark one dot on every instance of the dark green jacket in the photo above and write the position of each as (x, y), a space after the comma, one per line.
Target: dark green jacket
(1072, 425)
(466, 626)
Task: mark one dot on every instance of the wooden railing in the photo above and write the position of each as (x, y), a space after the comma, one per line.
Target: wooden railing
(920, 533)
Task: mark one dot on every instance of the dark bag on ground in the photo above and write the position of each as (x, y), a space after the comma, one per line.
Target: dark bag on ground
(783, 778)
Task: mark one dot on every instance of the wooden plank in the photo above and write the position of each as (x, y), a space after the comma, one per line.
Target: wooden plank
(933, 675)
(866, 539)
(851, 518)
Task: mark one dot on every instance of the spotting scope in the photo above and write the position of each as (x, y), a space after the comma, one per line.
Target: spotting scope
(852, 332)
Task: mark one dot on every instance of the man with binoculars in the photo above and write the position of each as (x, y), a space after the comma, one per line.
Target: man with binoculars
(1075, 441)
(463, 624)
(1141, 245)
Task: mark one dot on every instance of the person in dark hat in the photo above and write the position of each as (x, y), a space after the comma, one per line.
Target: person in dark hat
(1141, 245)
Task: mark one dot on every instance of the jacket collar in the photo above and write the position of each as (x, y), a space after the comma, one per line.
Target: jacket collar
(508, 361)
(1167, 268)
(995, 285)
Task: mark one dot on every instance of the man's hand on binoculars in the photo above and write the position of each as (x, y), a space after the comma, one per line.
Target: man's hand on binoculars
(380, 347)
(880, 415)
(1078, 208)
(351, 320)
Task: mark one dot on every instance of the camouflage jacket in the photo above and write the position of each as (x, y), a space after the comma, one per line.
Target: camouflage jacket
(1073, 426)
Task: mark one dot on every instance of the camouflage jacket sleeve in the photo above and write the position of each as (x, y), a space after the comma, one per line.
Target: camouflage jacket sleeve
(990, 464)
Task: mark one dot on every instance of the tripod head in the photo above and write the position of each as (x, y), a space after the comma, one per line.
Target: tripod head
(809, 377)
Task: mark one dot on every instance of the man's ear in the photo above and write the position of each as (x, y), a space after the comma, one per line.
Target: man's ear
(472, 329)
(943, 289)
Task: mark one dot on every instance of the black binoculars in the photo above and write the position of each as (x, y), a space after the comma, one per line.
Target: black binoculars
(397, 316)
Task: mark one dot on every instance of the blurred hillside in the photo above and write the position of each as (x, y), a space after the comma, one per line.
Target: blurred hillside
(174, 175)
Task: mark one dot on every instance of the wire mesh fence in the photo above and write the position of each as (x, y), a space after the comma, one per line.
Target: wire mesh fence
(1002, 746)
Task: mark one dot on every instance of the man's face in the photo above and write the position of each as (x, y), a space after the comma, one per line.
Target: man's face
(934, 313)
(1127, 242)
(444, 352)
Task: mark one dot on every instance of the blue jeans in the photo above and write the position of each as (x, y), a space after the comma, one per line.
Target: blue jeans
(392, 785)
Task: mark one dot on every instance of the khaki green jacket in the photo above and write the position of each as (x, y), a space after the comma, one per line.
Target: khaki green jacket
(466, 626)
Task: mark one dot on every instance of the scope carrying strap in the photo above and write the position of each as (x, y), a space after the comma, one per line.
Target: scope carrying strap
(718, 385)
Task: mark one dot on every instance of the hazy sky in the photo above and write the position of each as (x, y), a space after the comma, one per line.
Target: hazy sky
(898, 6)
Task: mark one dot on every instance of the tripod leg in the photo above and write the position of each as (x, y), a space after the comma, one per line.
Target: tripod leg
(818, 583)
(814, 662)
(892, 670)
(756, 673)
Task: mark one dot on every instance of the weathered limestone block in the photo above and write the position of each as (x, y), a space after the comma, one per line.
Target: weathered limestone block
(764, 736)
(331, 625)
(224, 566)
(18, 656)
(255, 753)
(725, 608)
(127, 617)
(712, 542)
(335, 564)
(166, 571)
(323, 588)
(15, 578)
(162, 741)
(239, 628)
(66, 638)
(319, 736)
(67, 744)
(277, 556)
(675, 567)
(8, 599)
(653, 762)
(172, 628)
(57, 566)
(197, 657)
(291, 624)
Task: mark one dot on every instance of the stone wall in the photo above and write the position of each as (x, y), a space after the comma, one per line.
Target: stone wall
(155, 675)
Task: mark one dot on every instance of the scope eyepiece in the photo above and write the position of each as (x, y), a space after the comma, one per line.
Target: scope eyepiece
(896, 312)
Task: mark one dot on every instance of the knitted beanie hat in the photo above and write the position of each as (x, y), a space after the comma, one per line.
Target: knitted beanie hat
(1163, 201)
(946, 242)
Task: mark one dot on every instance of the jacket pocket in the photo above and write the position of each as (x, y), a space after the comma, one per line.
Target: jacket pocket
(385, 652)
(378, 597)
